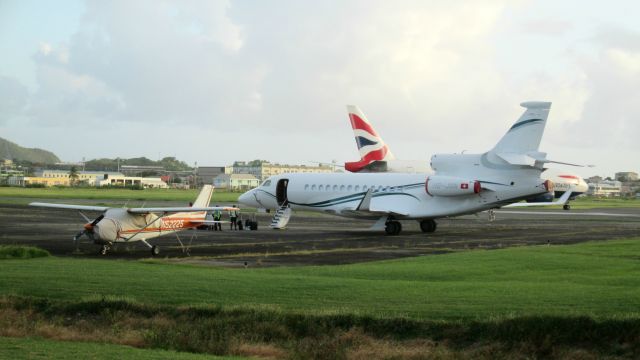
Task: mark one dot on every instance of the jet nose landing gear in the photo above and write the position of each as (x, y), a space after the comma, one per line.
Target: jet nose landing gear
(392, 227)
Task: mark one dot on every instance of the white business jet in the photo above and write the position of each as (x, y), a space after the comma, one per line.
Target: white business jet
(375, 156)
(125, 225)
(460, 184)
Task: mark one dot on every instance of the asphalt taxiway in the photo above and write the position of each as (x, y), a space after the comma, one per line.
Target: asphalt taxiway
(317, 239)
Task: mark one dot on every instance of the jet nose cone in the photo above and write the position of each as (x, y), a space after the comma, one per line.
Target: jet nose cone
(248, 199)
(583, 186)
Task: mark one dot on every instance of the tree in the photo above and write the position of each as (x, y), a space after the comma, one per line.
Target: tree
(73, 176)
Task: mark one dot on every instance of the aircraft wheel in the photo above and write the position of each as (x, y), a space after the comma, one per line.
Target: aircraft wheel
(428, 226)
(389, 227)
(393, 228)
(155, 250)
(566, 207)
(104, 249)
(398, 228)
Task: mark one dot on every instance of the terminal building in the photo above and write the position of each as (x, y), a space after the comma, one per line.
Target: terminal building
(605, 188)
(206, 174)
(265, 169)
(235, 182)
(88, 178)
(21, 180)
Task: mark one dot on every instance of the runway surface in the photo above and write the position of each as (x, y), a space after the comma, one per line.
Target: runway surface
(316, 239)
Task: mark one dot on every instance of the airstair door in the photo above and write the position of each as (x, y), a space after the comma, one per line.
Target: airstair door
(281, 192)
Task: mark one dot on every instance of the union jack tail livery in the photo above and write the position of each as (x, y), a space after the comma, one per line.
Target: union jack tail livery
(371, 146)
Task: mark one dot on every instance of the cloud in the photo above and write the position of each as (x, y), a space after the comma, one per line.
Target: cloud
(65, 97)
(259, 77)
(13, 99)
(548, 27)
(269, 67)
(178, 65)
(611, 111)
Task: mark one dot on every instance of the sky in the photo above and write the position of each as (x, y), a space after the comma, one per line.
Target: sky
(211, 82)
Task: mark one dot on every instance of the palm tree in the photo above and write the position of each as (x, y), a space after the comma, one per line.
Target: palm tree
(73, 176)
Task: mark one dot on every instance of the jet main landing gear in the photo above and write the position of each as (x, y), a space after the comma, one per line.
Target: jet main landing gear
(392, 227)
(428, 226)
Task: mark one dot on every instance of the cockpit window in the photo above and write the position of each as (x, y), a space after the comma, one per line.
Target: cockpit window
(266, 183)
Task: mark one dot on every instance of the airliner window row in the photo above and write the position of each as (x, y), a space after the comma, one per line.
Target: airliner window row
(348, 188)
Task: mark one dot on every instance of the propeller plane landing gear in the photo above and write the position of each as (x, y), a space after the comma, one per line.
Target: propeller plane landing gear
(392, 227)
(428, 225)
(104, 249)
(155, 250)
(566, 207)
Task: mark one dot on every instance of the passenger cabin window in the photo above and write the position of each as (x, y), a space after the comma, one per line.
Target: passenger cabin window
(306, 187)
(357, 188)
(313, 187)
(364, 188)
(328, 187)
(341, 187)
(349, 188)
(320, 188)
(335, 187)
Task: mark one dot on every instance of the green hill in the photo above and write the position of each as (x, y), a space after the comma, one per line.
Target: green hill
(167, 163)
(13, 151)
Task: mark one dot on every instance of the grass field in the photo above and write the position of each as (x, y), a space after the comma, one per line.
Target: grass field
(14, 193)
(591, 203)
(28, 348)
(592, 279)
(574, 301)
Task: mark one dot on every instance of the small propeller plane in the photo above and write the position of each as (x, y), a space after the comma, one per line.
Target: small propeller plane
(124, 225)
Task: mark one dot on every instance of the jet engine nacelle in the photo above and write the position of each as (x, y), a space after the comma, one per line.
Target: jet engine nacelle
(546, 197)
(438, 185)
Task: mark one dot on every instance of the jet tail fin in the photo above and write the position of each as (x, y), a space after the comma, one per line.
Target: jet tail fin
(370, 145)
(525, 135)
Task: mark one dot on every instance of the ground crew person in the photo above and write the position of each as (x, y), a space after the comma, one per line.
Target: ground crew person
(217, 216)
(233, 215)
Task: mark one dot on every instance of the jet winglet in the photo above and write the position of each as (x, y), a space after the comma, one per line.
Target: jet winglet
(366, 201)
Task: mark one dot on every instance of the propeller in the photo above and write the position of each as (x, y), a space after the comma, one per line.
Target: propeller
(88, 227)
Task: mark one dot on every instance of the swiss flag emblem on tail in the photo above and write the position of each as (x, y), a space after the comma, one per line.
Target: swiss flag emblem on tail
(464, 186)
